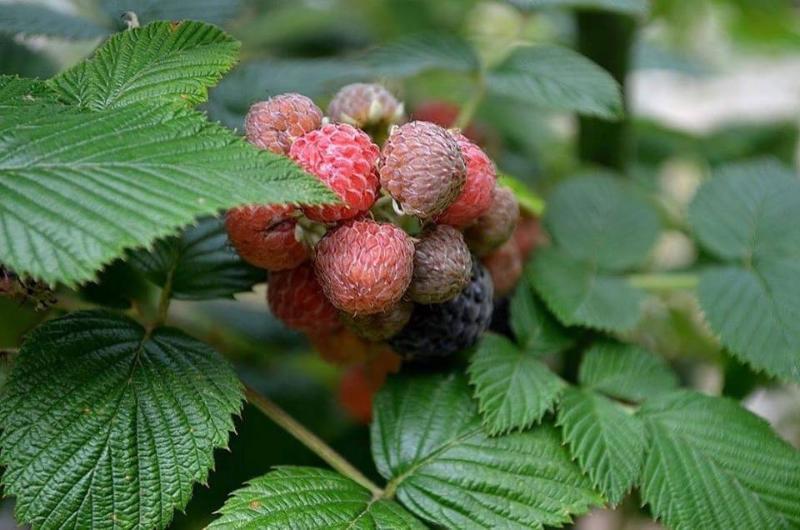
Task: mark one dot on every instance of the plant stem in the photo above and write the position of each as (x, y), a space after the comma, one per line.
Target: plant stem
(664, 281)
(309, 439)
(464, 117)
(164, 300)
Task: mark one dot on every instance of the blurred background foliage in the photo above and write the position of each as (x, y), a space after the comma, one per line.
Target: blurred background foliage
(710, 82)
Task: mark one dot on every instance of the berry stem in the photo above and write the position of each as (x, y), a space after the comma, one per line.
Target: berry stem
(464, 117)
(664, 281)
(164, 300)
(309, 439)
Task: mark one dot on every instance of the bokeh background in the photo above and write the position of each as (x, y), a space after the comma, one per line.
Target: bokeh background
(706, 82)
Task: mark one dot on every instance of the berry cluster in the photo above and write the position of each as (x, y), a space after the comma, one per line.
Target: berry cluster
(411, 258)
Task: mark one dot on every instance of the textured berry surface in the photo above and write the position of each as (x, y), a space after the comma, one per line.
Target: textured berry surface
(276, 123)
(296, 299)
(365, 267)
(527, 234)
(495, 227)
(505, 267)
(379, 326)
(345, 159)
(440, 330)
(264, 236)
(476, 197)
(442, 265)
(365, 104)
(422, 168)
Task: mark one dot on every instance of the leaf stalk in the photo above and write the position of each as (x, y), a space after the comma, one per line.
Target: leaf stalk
(664, 281)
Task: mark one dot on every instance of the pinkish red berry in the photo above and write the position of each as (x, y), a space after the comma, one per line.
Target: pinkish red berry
(365, 104)
(505, 267)
(296, 299)
(264, 236)
(442, 265)
(527, 234)
(422, 168)
(376, 327)
(365, 267)
(345, 159)
(276, 123)
(476, 197)
(493, 228)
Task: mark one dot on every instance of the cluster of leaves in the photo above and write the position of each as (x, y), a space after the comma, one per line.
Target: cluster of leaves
(107, 423)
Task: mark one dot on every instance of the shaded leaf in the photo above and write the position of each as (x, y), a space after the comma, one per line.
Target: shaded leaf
(513, 388)
(25, 18)
(631, 7)
(213, 11)
(200, 263)
(105, 425)
(534, 327)
(415, 54)
(309, 498)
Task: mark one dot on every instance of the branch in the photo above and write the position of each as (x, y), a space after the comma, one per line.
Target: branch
(309, 439)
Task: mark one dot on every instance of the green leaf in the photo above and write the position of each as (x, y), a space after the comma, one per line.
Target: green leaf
(557, 78)
(578, 294)
(200, 263)
(713, 465)
(513, 388)
(416, 54)
(630, 7)
(625, 371)
(749, 216)
(536, 331)
(20, 92)
(427, 439)
(25, 18)
(309, 498)
(163, 62)
(599, 219)
(213, 11)
(78, 188)
(607, 441)
(105, 425)
(528, 200)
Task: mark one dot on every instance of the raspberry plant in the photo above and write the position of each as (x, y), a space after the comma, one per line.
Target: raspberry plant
(111, 415)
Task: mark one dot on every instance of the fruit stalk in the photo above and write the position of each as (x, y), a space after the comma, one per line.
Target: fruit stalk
(664, 281)
(464, 117)
(309, 439)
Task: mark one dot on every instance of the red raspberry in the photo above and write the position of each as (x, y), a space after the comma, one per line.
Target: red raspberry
(445, 114)
(505, 267)
(345, 159)
(360, 383)
(422, 168)
(376, 327)
(442, 265)
(276, 123)
(341, 347)
(493, 228)
(296, 298)
(365, 104)
(528, 235)
(264, 236)
(476, 197)
(365, 267)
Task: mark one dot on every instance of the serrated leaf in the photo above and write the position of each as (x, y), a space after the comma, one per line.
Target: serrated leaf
(713, 465)
(607, 441)
(415, 54)
(78, 188)
(536, 331)
(427, 439)
(580, 295)
(625, 371)
(631, 7)
(749, 215)
(199, 264)
(105, 425)
(19, 91)
(556, 78)
(513, 388)
(162, 62)
(213, 11)
(310, 498)
(598, 218)
(25, 18)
